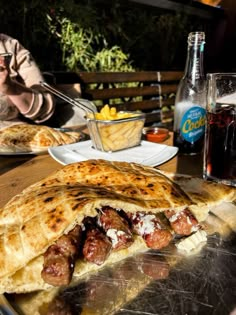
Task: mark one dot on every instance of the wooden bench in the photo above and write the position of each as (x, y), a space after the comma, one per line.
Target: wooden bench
(152, 92)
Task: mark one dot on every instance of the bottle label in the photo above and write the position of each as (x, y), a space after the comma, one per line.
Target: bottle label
(192, 126)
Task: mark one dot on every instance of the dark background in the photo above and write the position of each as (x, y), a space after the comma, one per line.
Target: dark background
(152, 32)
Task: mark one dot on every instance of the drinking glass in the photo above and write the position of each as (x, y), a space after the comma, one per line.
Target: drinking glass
(220, 137)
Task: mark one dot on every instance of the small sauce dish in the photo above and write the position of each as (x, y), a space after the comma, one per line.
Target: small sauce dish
(155, 134)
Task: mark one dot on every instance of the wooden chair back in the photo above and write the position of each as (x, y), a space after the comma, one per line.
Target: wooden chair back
(152, 92)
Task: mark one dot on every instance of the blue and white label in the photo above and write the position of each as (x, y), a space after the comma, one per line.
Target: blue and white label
(192, 126)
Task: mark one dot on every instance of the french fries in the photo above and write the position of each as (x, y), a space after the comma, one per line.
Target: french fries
(110, 113)
(110, 134)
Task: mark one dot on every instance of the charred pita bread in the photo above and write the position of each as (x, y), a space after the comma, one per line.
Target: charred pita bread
(202, 191)
(33, 220)
(132, 178)
(205, 194)
(33, 138)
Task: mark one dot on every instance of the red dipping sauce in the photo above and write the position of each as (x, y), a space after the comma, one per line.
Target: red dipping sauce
(155, 134)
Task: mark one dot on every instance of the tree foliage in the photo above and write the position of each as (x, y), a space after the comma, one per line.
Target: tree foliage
(98, 35)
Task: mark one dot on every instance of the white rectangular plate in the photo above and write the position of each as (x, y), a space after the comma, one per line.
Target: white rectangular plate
(148, 153)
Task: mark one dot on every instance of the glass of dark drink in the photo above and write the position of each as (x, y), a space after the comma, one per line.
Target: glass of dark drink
(220, 135)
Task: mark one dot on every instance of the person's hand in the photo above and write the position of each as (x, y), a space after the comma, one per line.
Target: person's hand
(5, 80)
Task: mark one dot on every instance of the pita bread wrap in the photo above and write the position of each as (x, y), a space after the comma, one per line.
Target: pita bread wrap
(36, 218)
(34, 138)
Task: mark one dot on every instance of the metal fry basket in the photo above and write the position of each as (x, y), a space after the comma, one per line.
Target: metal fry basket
(107, 135)
(115, 135)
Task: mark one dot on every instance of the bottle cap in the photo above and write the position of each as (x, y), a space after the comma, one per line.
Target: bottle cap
(196, 38)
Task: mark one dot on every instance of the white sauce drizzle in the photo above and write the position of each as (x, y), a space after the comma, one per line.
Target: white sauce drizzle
(174, 217)
(188, 220)
(146, 223)
(113, 234)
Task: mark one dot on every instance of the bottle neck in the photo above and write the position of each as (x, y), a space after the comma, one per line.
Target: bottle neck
(194, 62)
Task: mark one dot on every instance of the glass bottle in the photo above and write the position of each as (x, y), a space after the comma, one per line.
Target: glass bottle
(190, 102)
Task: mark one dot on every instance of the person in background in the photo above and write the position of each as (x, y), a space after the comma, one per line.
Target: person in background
(21, 96)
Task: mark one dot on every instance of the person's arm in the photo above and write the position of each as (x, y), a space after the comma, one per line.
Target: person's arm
(30, 99)
(20, 95)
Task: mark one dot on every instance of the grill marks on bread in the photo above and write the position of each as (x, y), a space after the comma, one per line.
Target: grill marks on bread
(126, 179)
